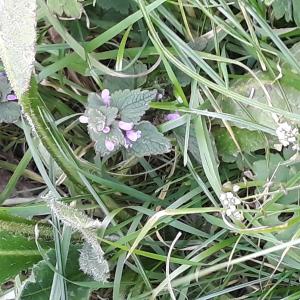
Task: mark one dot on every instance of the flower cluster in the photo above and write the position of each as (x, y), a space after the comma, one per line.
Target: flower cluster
(288, 135)
(130, 135)
(230, 202)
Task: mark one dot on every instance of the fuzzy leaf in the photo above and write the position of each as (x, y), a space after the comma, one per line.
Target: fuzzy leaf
(38, 286)
(17, 41)
(9, 112)
(5, 88)
(115, 135)
(78, 221)
(116, 83)
(70, 8)
(151, 142)
(93, 263)
(133, 104)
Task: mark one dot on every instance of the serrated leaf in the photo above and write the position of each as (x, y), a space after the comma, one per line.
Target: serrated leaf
(10, 112)
(110, 114)
(94, 100)
(17, 41)
(70, 8)
(133, 104)
(121, 6)
(151, 142)
(115, 135)
(17, 253)
(116, 83)
(38, 286)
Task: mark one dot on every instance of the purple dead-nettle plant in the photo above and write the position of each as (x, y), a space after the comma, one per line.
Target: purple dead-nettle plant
(10, 110)
(114, 122)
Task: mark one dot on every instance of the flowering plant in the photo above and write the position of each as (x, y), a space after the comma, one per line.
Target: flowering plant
(9, 108)
(114, 122)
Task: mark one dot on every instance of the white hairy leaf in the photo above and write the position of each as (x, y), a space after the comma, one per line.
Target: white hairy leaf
(79, 221)
(93, 263)
(17, 41)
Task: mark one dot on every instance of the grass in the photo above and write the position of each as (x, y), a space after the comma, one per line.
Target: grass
(225, 66)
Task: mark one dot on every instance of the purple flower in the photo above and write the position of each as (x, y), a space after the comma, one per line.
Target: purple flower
(133, 135)
(11, 97)
(125, 126)
(2, 74)
(83, 119)
(105, 95)
(106, 129)
(110, 146)
(173, 116)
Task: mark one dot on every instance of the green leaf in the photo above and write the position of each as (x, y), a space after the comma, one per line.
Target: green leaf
(133, 104)
(151, 142)
(71, 8)
(5, 88)
(296, 11)
(121, 6)
(249, 86)
(10, 112)
(117, 83)
(17, 41)
(115, 135)
(192, 145)
(17, 253)
(39, 284)
(248, 140)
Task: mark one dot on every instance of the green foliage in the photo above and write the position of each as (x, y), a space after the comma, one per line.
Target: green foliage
(286, 8)
(132, 105)
(38, 286)
(9, 112)
(249, 141)
(121, 6)
(126, 106)
(69, 8)
(116, 83)
(17, 253)
(151, 142)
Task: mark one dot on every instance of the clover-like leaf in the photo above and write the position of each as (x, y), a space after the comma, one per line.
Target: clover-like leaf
(151, 142)
(17, 41)
(133, 104)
